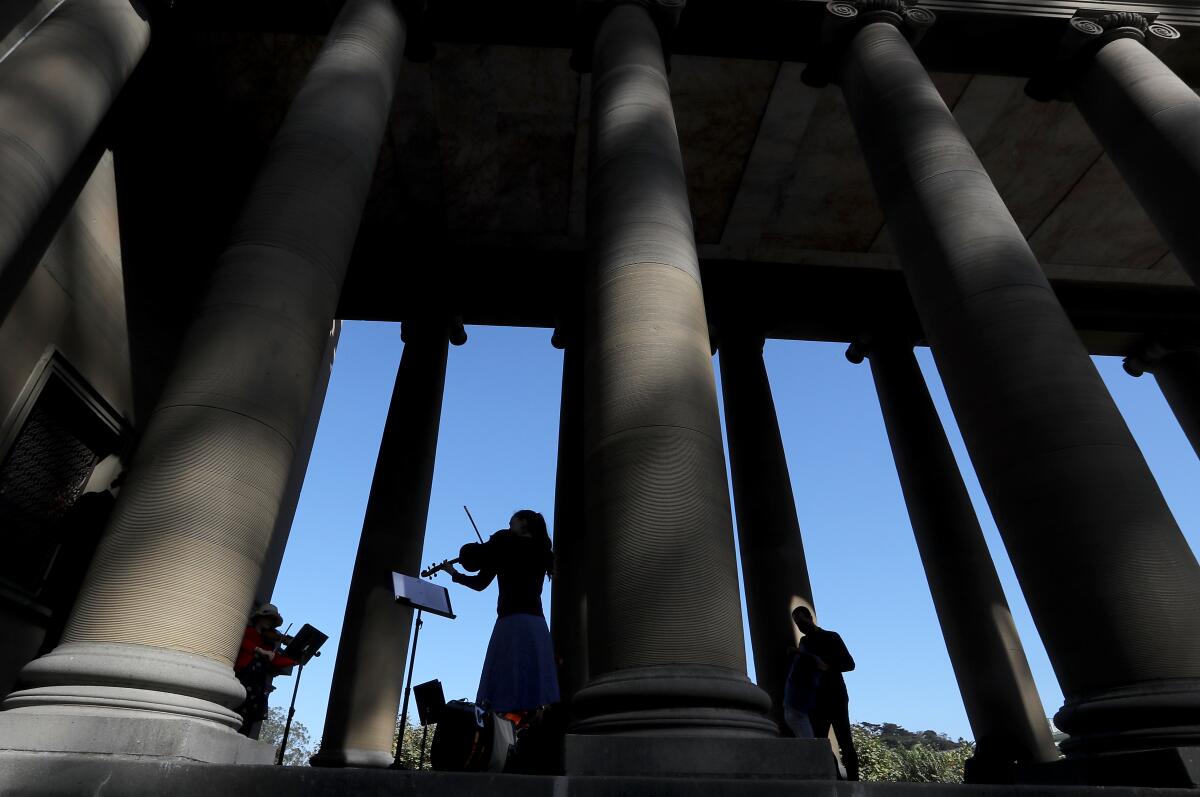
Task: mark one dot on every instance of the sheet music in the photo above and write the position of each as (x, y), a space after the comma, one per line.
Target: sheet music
(421, 594)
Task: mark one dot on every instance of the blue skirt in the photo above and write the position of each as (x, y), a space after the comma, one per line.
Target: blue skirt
(518, 672)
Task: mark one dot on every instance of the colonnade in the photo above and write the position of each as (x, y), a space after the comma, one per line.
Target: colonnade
(650, 627)
(146, 660)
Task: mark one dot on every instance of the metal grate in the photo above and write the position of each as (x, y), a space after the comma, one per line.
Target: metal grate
(44, 473)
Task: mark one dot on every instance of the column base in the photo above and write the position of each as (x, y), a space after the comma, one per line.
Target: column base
(1156, 715)
(673, 700)
(700, 756)
(144, 736)
(130, 700)
(1174, 767)
(369, 759)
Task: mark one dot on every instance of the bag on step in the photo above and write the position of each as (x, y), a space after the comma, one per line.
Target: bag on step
(470, 738)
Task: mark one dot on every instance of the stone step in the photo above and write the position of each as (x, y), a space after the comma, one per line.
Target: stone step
(58, 774)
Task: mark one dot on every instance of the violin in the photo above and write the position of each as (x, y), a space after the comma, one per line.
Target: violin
(274, 637)
(432, 570)
(468, 556)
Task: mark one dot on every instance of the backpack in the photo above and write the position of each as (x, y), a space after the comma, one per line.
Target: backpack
(470, 738)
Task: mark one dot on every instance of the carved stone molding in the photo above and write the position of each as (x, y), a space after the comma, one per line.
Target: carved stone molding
(1087, 32)
(843, 18)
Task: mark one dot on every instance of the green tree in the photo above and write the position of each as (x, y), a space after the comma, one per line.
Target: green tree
(411, 754)
(890, 753)
(300, 747)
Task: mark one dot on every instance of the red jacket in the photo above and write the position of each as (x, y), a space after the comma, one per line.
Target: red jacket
(253, 639)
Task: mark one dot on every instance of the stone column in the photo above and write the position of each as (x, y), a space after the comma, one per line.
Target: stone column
(568, 593)
(1147, 119)
(1111, 581)
(55, 88)
(1177, 372)
(368, 677)
(664, 628)
(1001, 700)
(145, 667)
(774, 570)
(296, 473)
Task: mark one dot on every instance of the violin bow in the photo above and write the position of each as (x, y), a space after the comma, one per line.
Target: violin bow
(477, 534)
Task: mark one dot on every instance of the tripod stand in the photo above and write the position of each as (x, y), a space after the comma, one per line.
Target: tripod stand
(306, 644)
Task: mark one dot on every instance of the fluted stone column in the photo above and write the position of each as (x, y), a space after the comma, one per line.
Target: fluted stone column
(568, 593)
(368, 677)
(997, 688)
(1177, 372)
(1110, 580)
(296, 473)
(55, 88)
(774, 570)
(664, 628)
(145, 666)
(1148, 120)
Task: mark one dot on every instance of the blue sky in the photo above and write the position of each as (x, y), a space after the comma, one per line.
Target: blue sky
(497, 453)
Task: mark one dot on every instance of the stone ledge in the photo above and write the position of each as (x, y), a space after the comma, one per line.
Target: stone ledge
(46, 774)
(1173, 767)
(712, 756)
(136, 735)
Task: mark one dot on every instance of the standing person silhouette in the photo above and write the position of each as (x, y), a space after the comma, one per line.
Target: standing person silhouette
(519, 671)
(831, 705)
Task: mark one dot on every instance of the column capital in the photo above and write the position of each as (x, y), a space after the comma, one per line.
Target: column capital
(858, 350)
(844, 18)
(1085, 34)
(730, 339)
(862, 347)
(590, 13)
(566, 333)
(451, 327)
(1149, 354)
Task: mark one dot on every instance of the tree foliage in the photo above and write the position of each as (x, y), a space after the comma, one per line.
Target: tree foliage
(894, 754)
(410, 755)
(300, 746)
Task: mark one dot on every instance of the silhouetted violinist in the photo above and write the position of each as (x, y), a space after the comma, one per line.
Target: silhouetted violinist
(259, 661)
(519, 673)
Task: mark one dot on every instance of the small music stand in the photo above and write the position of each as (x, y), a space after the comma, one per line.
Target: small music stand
(304, 645)
(424, 597)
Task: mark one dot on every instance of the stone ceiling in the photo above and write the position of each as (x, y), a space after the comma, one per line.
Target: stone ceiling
(479, 196)
(488, 147)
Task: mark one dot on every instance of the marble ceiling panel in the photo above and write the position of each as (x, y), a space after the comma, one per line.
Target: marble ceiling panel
(407, 198)
(506, 132)
(1099, 223)
(1035, 152)
(805, 185)
(719, 104)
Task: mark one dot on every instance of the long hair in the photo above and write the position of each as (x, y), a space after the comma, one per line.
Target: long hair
(541, 535)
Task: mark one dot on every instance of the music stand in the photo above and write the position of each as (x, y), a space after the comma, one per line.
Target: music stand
(424, 597)
(304, 645)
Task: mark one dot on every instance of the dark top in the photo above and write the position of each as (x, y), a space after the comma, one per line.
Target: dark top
(803, 681)
(519, 563)
(829, 648)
